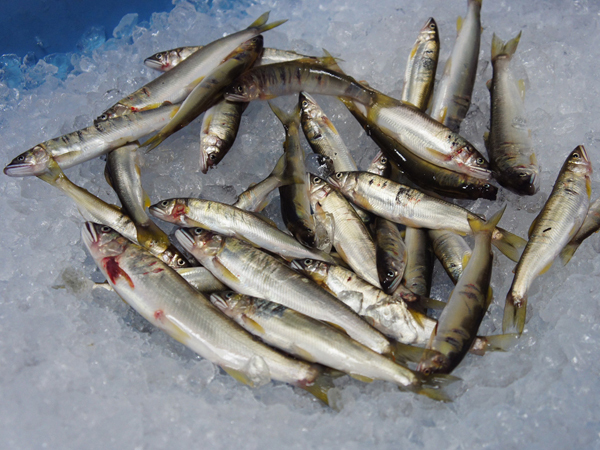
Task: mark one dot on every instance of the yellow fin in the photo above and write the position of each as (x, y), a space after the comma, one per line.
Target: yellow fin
(546, 268)
(521, 85)
(255, 327)
(336, 326)
(361, 378)
(177, 333)
(302, 353)
(107, 176)
(533, 159)
(588, 187)
(567, 253)
(239, 376)
(418, 317)
(147, 201)
(459, 24)
(320, 387)
(532, 226)
(490, 297)
(225, 272)
(407, 353)
(465, 259)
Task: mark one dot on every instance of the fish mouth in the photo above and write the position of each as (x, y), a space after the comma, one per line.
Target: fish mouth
(333, 181)
(480, 172)
(296, 264)
(186, 240)
(21, 170)
(232, 97)
(154, 64)
(428, 24)
(88, 234)
(583, 152)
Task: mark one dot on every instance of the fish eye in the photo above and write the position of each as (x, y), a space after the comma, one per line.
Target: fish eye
(159, 56)
(480, 160)
(338, 175)
(105, 229)
(487, 186)
(212, 156)
(165, 203)
(180, 262)
(240, 89)
(198, 231)
(384, 160)
(229, 295)
(576, 155)
(308, 262)
(304, 103)
(316, 180)
(426, 371)
(21, 158)
(390, 274)
(103, 117)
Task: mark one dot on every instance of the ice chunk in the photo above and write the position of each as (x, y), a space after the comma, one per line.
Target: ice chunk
(126, 26)
(92, 38)
(10, 71)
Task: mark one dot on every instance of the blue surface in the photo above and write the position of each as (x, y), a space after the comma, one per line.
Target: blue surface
(56, 26)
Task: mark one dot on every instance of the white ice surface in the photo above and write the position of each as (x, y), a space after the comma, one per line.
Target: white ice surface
(79, 369)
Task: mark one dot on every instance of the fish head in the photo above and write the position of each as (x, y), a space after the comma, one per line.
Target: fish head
(211, 152)
(429, 31)
(433, 362)
(231, 303)
(318, 189)
(579, 162)
(32, 162)
(524, 180)
(173, 258)
(312, 267)
(200, 242)
(390, 280)
(161, 60)
(173, 210)
(473, 161)
(117, 110)
(309, 108)
(102, 241)
(244, 89)
(380, 165)
(343, 181)
(304, 231)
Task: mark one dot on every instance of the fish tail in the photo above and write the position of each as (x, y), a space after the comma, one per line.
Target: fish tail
(404, 353)
(508, 243)
(319, 388)
(261, 24)
(506, 49)
(434, 394)
(497, 343)
(477, 224)
(286, 119)
(515, 310)
(431, 303)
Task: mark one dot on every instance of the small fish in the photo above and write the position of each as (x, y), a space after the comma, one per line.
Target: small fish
(251, 271)
(421, 67)
(391, 254)
(413, 208)
(123, 174)
(219, 129)
(351, 238)
(83, 145)
(311, 340)
(274, 80)
(452, 251)
(232, 221)
(295, 203)
(419, 262)
(175, 85)
(557, 223)
(452, 96)
(457, 326)
(512, 158)
(168, 302)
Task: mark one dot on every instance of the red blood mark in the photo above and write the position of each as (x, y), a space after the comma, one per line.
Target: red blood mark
(157, 270)
(159, 315)
(178, 211)
(134, 109)
(114, 271)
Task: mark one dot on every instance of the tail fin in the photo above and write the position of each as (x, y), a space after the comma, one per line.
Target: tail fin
(157, 139)
(567, 253)
(508, 243)
(514, 314)
(506, 49)
(404, 353)
(478, 225)
(285, 118)
(261, 24)
(498, 343)
(320, 387)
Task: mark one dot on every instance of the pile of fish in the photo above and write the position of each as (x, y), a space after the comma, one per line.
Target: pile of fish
(345, 289)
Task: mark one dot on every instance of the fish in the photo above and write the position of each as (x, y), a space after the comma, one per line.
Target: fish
(591, 224)
(322, 135)
(452, 251)
(208, 91)
(452, 96)
(391, 254)
(175, 85)
(220, 126)
(303, 75)
(311, 340)
(421, 67)
(255, 198)
(419, 262)
(413, 208)
(512, 158)
(123, 174)
(294, 200)
(249, 270)
(457, 326)
(91, 142)
(557, 223)
(428, 176)
(168, 302)
(232, 221)
(168, 59)
(201, 279)
(388, 314)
